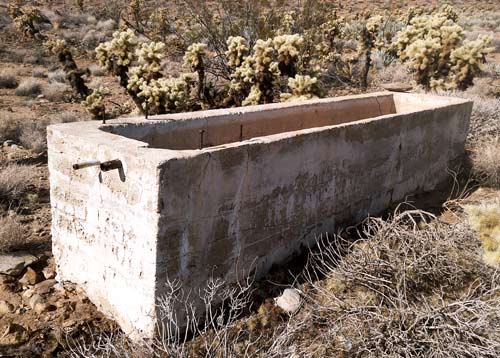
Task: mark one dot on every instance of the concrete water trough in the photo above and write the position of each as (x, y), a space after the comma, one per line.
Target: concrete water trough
(219, 193)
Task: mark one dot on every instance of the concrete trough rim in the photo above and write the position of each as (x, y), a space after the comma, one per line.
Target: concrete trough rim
(98, 132)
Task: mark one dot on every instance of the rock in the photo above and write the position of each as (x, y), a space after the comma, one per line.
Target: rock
(30, 277)
(34, 300)
(42, 307)
(289, 301)
(14, 146)
(8, 143)
(13, 335)
(40, 96)
(44, 287)
(26, 295)
(49, 272)
(5, 279)
(14, 263)
(6, 307)
(397, 87)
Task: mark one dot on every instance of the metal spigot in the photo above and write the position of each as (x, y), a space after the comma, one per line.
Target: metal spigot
(104, 166)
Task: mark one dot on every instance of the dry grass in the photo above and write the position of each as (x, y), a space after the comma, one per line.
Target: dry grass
(33, 136)
(29, 88)
(15, 181)
(10, 128)
(8, 80)
(39, 73)
(486, 161)
(13, 234)
(55, 92)
(57, 76)
(412, 287)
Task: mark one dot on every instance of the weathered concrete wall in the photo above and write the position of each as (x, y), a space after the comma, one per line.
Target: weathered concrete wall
(222, 210)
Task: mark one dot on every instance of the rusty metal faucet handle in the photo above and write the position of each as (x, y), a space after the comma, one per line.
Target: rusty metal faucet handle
(104, 166)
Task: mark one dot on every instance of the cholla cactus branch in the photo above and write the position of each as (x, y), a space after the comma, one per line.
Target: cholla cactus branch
(74, 75)
(303, 88)
(94, 103)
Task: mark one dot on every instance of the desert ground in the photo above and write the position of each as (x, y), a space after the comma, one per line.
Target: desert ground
(40, 316)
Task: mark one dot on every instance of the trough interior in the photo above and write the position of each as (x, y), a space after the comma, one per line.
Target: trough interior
(189, 131)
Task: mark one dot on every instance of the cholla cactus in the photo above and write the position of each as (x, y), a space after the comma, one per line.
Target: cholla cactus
(467, 60)
(369, 40)
(485, 220)
(254, 97)
(287, 22)
(94, 103)
(287, 48)
(259, 71)
(237, 50)
(119, 52)
(166, 95)
(432, 44)
(57, 46)
(194, 59)
(149, 56)
(74, 75)
(25, 18)
(424, 56)
(194, 56)
(303, 88)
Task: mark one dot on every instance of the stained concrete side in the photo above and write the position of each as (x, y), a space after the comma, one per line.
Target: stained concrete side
(225, 212)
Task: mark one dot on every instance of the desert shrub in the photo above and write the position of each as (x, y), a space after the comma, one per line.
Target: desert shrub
(486, 161)
(55, 92)
(13, 234)
(395, 72)
(29, 88)
(485, 119)
(409, 289)
(39, 73)
(34, 136)
(92, 38)
(57, 76)
(106, 25)
(7, 80)
(65, 117)
(10, 128)
(97, 71)
(435, 47)
(15, 181)
(412, 286)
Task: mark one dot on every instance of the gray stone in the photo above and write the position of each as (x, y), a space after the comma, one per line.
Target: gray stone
(14, 263)
(289, 301)
(8, 143)
(44, 287)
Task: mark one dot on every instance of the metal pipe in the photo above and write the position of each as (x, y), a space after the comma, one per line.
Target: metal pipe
(90, 163)
(202, 132)
(104, 166)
